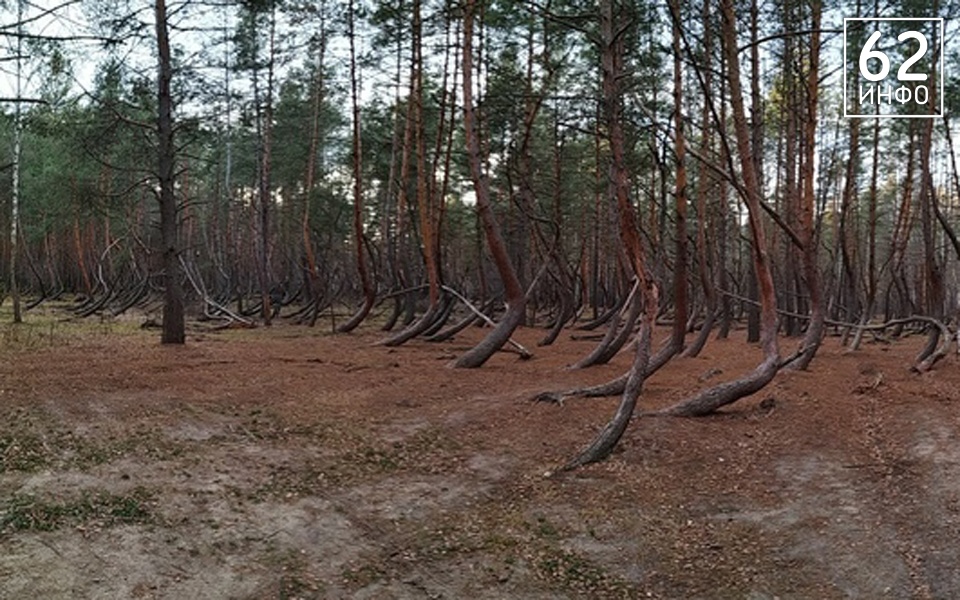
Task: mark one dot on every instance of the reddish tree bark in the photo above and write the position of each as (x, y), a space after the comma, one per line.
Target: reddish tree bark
(713, 398)
(414, 143)
(807, 234)
(613, 18)
(515, 297)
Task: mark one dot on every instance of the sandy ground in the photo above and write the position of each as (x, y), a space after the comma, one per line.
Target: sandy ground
(289, 462)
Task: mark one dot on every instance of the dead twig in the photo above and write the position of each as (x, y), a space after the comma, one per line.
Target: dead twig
(524, 353)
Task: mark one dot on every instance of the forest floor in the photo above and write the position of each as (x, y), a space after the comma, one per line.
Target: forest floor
(287, 462)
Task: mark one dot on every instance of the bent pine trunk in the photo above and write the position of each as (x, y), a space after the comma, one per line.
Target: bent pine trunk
(515, 297)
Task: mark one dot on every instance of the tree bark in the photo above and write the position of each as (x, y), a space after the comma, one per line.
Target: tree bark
(313, 276)
(264, 186)
(870, 276)
(369, 293)
(704, 181)
(17, 155)
(678, 334)
(612, 32)
(425, 203)
(807, 234)
(935, 295)
(414, 144)
(754, 318)
(713, 398)
(619, 331)
(173, 317)
(514, 293)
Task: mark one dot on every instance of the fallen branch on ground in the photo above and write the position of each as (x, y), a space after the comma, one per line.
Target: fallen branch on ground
(210, 302)
(524, 353)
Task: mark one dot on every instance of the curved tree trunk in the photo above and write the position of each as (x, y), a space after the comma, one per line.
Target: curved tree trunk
(606, 441)
(938, 344)
(713, 398)
(446, 308)
(494, 340)
(449, 332)
(614, 18)
(614, 387)
(395, 315)
(566, 311)
(515, 297)
(603, 318)
(369, 293)
(709, 400)
(416, 328)
(616, 336)
(811, 270)
(704, 181)
(360, 315)
(696, 346)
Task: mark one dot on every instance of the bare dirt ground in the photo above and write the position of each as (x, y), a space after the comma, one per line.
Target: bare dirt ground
(289, 462)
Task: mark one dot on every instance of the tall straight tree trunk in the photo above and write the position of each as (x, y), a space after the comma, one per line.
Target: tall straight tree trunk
(402, 177)
(443, 143)
(173, 319)
(713, 398)
(264, 186)
(425, 203)
(17, 155)
(267, 182)
(792, 150)
(567, 291)
(723, 219)
(514, 294)
(369, 293)
(807, 234)
(680, 259)
(313, 277)
(935, 294)
(221, 212)
(704, 181)
(902, 230)
(393, 214)
(754, 318)
(871, 274)
(848, 201)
